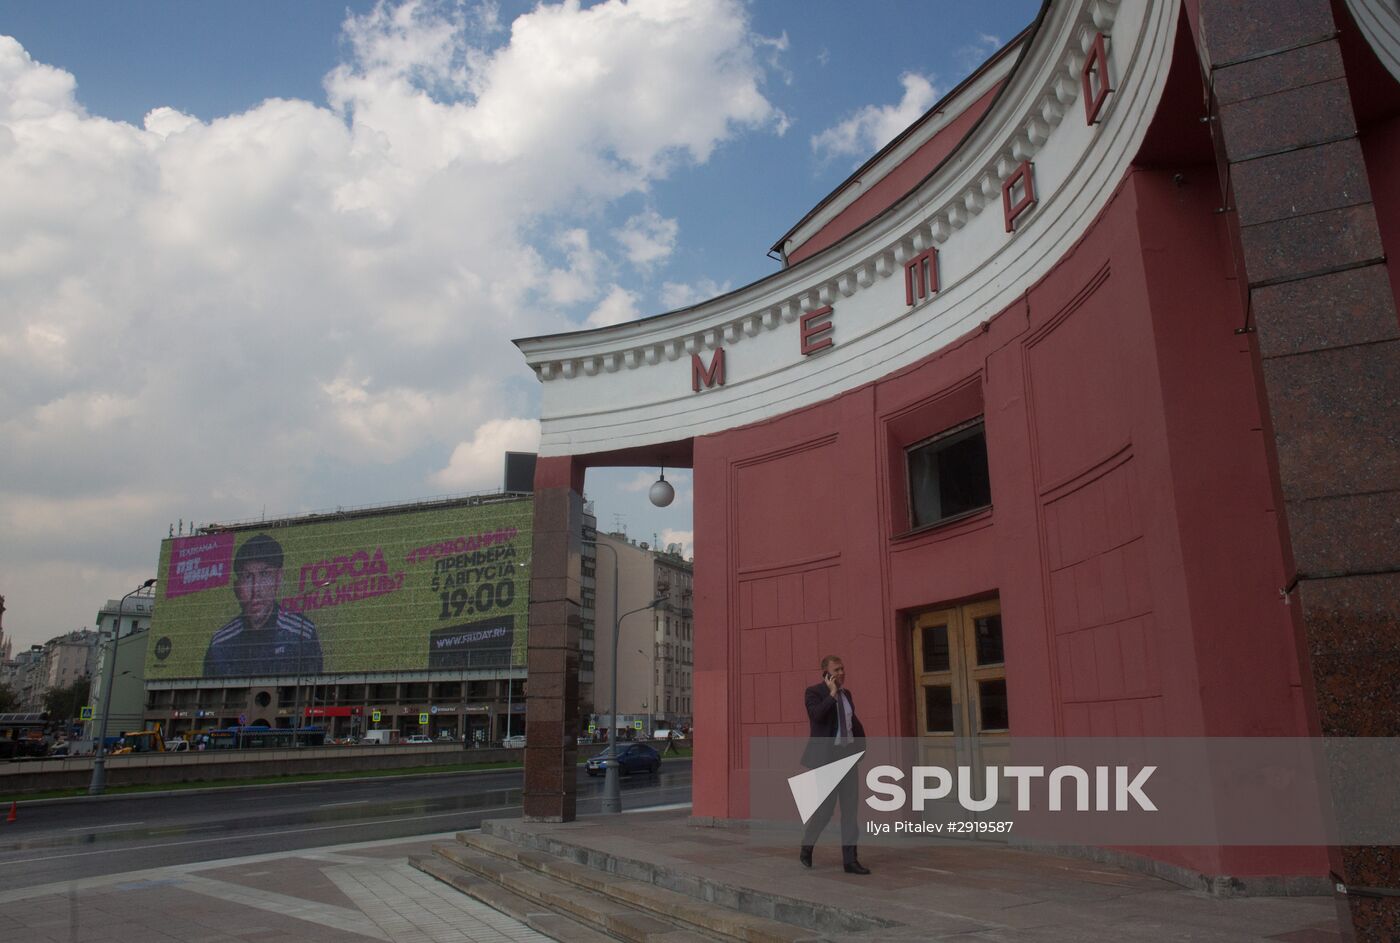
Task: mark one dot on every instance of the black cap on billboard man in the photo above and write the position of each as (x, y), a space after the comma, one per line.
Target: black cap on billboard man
(264, 639)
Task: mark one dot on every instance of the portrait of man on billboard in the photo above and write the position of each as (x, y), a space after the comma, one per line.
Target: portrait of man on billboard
(263, 639)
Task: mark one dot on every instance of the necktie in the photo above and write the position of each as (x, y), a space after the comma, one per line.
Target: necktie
(841, 733)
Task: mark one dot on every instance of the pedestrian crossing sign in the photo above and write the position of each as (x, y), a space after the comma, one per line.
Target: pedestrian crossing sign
(85, 713)
(636, 725)
(422, 718)
(376, 716)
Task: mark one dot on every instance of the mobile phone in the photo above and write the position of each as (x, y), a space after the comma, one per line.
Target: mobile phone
(826, 675)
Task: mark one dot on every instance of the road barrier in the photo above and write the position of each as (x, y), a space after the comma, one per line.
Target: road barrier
(75, 772)
(18, 778)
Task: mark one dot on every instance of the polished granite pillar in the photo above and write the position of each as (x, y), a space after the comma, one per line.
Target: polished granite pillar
(552, 720)
(1323, 309)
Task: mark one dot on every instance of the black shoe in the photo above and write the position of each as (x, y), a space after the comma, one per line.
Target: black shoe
(805, 856)
(855, 867)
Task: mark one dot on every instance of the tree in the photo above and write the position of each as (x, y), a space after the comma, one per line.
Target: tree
(9, 700)
(65, 704)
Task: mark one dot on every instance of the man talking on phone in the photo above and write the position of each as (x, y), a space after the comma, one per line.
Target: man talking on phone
(835, 733)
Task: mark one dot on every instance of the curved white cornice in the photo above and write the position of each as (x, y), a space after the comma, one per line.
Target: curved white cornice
(630, 385)
(1379, 22)
(879, 168)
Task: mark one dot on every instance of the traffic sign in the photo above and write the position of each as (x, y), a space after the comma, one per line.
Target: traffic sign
(422, 718)
(592, 728)
(85, 713)
(636, 725)
(376, 716)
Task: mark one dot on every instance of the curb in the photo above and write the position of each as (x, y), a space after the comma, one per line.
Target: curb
(206, 790)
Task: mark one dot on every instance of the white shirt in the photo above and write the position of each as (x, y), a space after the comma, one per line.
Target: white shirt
(843, 704)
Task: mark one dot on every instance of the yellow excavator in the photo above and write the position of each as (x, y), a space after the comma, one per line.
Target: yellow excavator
(141, 741)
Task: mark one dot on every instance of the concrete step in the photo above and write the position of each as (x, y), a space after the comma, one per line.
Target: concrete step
(533, 897)
(717, 921)
(541, 919)
(810, 920)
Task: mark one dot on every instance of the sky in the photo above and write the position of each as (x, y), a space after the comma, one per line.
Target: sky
(267, 258)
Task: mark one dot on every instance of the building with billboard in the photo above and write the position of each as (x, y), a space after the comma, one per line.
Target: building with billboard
(1071, 413)
(410, 617)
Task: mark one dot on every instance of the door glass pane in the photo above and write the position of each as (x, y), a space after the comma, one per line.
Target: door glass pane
(987, 632)
(991, 697)
(935, 648)
(938, 708)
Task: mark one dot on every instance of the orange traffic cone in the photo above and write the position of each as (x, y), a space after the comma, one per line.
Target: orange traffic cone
(14, 812)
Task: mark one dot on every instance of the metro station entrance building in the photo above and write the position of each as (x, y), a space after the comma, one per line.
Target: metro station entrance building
(1071, 413)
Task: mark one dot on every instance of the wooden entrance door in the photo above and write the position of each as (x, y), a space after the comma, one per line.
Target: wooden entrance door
(960, 672)
(960, 686)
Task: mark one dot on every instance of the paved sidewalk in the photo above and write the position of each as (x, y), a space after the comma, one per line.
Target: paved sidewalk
(340, 894)
(962, 892)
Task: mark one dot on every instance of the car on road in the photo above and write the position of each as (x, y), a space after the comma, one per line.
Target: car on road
(516, 742)
(631, 758)
(419, 738)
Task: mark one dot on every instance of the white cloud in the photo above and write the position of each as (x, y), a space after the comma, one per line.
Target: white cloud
(683, 294)
(972, 55)
(774, 47)
(299, 306)
(872, 127)
(617, 306)
(479, 464)
(648, 238)
(578, 280)
(685, 539)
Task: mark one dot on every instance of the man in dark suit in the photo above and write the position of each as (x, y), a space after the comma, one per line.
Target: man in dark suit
(836, 732)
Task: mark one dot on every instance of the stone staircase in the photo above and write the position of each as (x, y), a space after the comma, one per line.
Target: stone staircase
(605, 899)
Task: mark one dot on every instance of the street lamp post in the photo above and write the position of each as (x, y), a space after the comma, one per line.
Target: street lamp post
(99, 761)
(297, 724)
(510, 696)
(462, 717)
(612, 787)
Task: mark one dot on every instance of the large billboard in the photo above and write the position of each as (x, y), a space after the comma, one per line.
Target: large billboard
(443, 588)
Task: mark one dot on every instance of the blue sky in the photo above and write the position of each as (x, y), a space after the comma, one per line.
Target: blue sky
(267, 257)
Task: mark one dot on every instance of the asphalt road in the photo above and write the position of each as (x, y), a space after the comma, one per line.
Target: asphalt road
(76, 839)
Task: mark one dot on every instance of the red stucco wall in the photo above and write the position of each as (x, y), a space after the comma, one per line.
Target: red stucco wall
(1131, 541)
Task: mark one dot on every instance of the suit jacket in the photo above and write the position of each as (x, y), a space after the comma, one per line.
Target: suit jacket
(821, 714)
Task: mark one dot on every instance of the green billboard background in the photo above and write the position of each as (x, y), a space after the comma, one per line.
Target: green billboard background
(443, 588)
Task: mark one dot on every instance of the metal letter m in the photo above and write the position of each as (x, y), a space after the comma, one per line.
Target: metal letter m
(708, 376)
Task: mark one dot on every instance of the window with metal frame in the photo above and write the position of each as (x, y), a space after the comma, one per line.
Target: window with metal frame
(948, 475)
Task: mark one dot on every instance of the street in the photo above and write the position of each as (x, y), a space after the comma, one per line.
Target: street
(71, 840)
